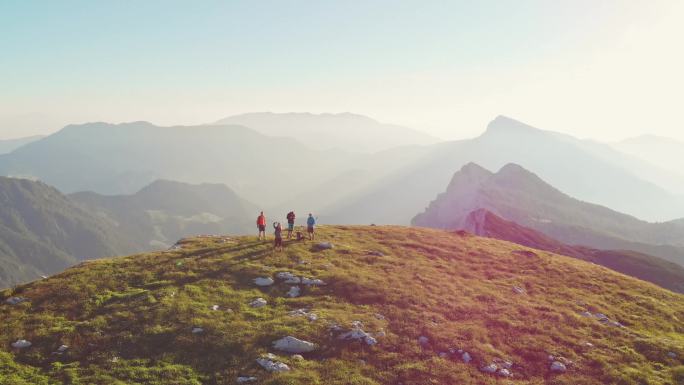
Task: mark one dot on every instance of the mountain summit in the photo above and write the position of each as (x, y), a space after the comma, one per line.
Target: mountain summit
(384, 305)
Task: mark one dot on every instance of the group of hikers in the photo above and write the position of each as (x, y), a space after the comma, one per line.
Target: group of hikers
(278, 243)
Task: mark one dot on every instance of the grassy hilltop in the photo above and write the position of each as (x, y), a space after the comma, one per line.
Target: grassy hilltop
(426, 296)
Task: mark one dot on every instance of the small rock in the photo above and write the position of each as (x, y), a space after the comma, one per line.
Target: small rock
(324, 246)
(271, 365)
(466, 357)
(243, 380)
(504, 372)
(298, 357)
(259, 302)
(379, 316)
(294, 292)
(586, 314)
(422, 340)
(62, 349)
(312, 317)
(376, 253)
(443, 355)
(21, 344)
(518, 290)
(291, 344)
(263, 281)
(197, 330)
(215, 307)
(491, 368)
(381, 333)
(358, 334)
(672, 354)
(15, 300)
(312, 282)
(370, 340)
(601, 317)
(559, 367)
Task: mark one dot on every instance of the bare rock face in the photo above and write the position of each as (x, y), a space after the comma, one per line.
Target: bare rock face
(291, 344)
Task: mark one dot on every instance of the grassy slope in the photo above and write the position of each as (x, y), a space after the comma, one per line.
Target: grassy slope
(454, 289)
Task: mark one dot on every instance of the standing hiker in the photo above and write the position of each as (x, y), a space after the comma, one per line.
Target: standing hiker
(278, 243)
(290, 223)
(261, 225)
(310, 223)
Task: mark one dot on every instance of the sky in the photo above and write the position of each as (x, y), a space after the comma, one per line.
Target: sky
(603, 69)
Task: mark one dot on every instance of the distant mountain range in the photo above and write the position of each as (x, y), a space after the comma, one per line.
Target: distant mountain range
(43, 231)
(646, 267)
(664, 152)
(519, 195)
(166, 211)
(583, 169)
(9, 145)
(345, 131)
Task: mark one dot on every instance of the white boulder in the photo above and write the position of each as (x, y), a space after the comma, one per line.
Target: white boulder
(21, 344)
(559, 367)
(291, 344)
(269, 363)
(259, 302)
(15, 300)
(294, 292)
(263, 281)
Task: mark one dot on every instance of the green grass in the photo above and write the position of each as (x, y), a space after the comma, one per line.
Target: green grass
(128, 320)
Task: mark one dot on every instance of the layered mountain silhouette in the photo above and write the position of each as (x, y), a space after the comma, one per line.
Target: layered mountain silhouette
(9, 145)
(662, 151)
(42, 232)
(519, 195)
(165, 211)
(123, 158)
(347, 131)
(664, 273)
(576, 167)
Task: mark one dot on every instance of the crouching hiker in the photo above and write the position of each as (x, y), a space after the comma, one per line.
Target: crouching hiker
(278, 243)
(310, 224)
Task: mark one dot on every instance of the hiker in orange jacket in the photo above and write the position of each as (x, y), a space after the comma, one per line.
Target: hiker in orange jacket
(261, 225)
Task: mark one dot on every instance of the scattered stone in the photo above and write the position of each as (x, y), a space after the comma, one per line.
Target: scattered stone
(312, 317)
(519, 290)
(559, 367)
(379, 316)
(601, 317)
(376, 253)
(62, 349)
(285, 275)
(672, 354)
(259, 302)
(243, 380)
(15, 300)
(381, 333)
(269, 363)
(466, 357)
(586, 314)
(491, 368)
(294, 292)
(358, 335)
(324, 246)
(312, 282)
(298, 357)
(291, 344)
(504, 372)
(443, 355)
(422, 340)
(215, 307)
(197, 330)
(264, 281)
(21, 344)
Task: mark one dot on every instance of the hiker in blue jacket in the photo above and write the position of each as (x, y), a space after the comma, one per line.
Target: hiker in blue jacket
(310, 223)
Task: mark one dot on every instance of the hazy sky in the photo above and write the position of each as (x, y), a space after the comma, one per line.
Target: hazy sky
(591, 68)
